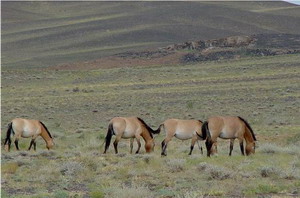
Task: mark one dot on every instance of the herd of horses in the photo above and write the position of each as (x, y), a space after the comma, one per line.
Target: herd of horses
(225, 127)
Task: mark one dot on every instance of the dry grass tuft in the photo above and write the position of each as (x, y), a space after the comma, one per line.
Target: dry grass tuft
(214, 172)
(10, 168)
(270, 148)
(132, 192)
(71, 168)
(269, 171)
(176, 165)
(219, 173)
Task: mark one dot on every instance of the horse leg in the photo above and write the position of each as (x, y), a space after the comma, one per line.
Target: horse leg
(200, 147)
(131, 144)
(8, 145)
(194, 139)
(164, 145)
(17, 144)
(242, 146)
(138, 142)
(231, 146)
(34, 145)
(216, 147)
(116, 143)
(31, 143)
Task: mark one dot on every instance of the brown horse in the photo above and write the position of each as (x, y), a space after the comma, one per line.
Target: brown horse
(27, 129)
(229, 128)
(130, 127)
(183, 130)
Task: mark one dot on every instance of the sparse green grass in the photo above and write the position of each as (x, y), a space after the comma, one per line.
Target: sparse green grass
(262, 90)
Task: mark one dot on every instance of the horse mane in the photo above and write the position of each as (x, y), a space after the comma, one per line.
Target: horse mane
(200, 121)
(150, 131)
(45, 128)
(248, 126)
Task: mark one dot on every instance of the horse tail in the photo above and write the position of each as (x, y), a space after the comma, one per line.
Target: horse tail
(110, 133)
(206, 132)
(157, 131)
(248, 127)
(10, 131)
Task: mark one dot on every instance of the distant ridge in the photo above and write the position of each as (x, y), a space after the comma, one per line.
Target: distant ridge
(42, 34)
(233, 47)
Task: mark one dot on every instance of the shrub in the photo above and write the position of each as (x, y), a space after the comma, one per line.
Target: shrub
(202, 166)
(269, 171)
(219, 173)
(214, 172)
(176, 165)
(291, 173)
(71, 168)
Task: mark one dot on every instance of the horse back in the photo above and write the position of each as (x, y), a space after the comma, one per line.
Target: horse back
(128, 125)
(187, 126)
(223, 126)
(25, 127)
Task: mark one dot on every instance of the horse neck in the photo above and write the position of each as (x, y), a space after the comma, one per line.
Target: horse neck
(45, 134)
(146, 135)
(248, 136)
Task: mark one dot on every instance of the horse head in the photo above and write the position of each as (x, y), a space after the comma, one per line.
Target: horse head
(250, 148)
(149, 145)
(49, 143)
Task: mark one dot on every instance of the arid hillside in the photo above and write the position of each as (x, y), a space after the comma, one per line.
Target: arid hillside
(39, 34)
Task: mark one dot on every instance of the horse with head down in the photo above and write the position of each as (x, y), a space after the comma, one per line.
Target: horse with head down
(130, 127)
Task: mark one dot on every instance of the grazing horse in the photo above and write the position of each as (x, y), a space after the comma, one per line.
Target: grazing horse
(229, 128)
(183, 130)
(27, 128)
(130, 127)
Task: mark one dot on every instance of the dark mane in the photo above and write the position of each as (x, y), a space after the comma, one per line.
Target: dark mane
(200, 121)
(45, 129)
(146, 126)
(249, 127)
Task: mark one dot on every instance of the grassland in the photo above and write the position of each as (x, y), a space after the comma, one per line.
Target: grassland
(77, 105)
(39, 34)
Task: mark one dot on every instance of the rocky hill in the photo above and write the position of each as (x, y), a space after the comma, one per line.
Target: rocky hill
(233, 47)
